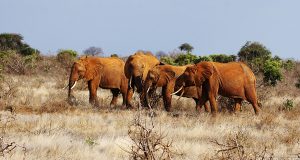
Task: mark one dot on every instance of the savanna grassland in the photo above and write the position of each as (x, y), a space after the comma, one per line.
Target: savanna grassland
(36, 122)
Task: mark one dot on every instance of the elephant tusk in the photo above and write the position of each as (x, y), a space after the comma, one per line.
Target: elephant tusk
(130, 80)
(66, 86)
(147, 99)
(74, 85)
(177, 91)
(181, 95)
(148, 90)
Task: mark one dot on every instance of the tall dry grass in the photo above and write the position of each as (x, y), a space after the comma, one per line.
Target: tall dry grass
(39, 124)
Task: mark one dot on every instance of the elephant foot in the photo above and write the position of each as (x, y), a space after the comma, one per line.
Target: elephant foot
(72, 100)
(198, 109)
(128, 106)
(257, 112)
(113, 106)
(95, 105)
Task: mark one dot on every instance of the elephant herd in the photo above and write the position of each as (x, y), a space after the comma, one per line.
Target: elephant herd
(143, 73)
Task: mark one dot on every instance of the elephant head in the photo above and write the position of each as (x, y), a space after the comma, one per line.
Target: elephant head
(156, 77)
(81, 69)
(194, 76)
(137, 67)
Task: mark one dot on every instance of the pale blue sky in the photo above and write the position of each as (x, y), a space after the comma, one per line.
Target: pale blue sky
(124, 26)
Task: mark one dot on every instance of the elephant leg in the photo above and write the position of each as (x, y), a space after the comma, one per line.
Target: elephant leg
(167, 98)
(198, 106)
(237, 104)
(255, 105)
(124, 97)
(200, 103)
(129, 97)
(213, 104)
(93, 86)
(207, 107)
(115, 93)
(252, 98)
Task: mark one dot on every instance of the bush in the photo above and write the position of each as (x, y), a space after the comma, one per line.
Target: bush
(254, 54)
(66, 57)
(185, 59)
(288, 104)
(168, 60)
(114, 55)
(147, 142)
(223, 58)
(15, 42)
(13, 63)
(202, 58)
(289, 65)
(272, 72)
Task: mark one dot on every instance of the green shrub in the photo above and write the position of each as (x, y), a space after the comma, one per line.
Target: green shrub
(272, 72)
(223, 58)
(26, 50)
(202, 58)
(66, 57)
(184, 59)
(288, 104)
(168, 60)
(289, 65)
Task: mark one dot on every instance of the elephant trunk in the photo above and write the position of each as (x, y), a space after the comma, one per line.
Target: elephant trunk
(145, 94)
(138, 81)
(72, 83)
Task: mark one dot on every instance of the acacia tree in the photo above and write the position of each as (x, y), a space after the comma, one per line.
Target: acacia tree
(186, 47)
(93, 51)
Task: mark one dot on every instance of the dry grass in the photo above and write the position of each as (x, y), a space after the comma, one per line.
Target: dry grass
(36, 119)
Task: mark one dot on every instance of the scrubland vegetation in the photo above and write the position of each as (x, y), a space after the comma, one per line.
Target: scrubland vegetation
(36, 122)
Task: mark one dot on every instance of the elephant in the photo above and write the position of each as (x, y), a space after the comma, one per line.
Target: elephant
(234, 80)
(136, 69)
(164, 76)
(106, 73)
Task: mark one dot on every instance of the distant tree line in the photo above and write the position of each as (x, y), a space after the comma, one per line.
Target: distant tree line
(254, 54)
(17, 56)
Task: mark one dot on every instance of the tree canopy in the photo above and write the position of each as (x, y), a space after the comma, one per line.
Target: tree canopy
(93, 51)
(253, 50)
(186, 47)
(12, 41)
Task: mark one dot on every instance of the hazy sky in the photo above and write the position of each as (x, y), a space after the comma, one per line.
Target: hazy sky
(124, 26)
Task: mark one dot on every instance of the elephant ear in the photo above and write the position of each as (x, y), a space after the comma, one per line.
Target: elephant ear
(206, 68)
(145, 71)
(170, 74)
(89, 68)
(161, 63)
(127, 70)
